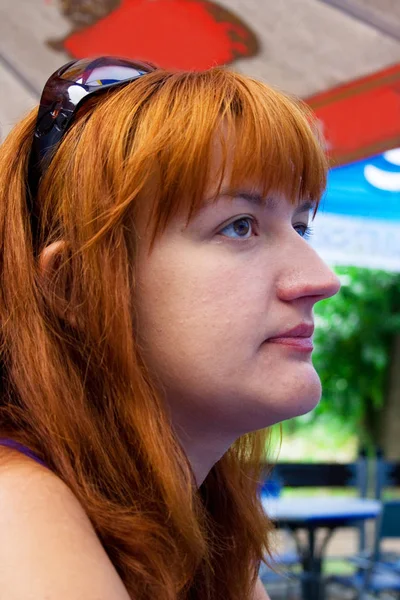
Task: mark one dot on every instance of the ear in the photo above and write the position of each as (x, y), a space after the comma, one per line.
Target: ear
(50, 257)
(54, 281)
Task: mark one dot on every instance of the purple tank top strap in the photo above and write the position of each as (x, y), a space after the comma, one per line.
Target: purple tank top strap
(21, 448)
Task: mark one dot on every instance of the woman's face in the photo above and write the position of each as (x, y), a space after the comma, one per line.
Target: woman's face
(211, 296)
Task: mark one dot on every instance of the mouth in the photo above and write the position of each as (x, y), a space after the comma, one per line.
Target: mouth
(299, 337)
(302, 344)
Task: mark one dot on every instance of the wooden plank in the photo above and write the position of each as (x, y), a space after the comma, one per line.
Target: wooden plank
(309, 46)
(25, 27)
(383, 16)
(306, 45)
(15, 101)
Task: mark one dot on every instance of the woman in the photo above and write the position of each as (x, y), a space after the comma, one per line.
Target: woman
(156, 310)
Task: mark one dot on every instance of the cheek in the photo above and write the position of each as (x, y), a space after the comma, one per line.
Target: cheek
(200, 305)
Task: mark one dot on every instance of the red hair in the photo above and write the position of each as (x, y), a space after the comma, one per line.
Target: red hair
(81, 396)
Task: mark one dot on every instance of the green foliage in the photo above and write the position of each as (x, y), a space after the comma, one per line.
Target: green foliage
(354, 332)
(323, 439)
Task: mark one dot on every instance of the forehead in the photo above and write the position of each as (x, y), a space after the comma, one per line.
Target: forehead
(225, 178)
(256, 199)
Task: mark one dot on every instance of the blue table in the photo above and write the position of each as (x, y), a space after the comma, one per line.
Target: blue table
(311, 514)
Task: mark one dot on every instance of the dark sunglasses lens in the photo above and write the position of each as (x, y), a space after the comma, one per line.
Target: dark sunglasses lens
(94, 73)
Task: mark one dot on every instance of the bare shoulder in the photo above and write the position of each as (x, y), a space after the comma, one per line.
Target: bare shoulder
(48, 547)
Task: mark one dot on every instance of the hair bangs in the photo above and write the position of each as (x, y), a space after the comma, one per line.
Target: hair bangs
(266, 140)
(277, 146)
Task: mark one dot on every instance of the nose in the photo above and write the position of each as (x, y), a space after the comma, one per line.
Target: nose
(306, 275)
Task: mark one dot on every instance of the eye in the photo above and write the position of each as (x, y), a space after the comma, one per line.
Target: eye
(240, 229)
(303, 230)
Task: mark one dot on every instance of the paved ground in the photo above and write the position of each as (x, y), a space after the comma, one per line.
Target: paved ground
(343, 543)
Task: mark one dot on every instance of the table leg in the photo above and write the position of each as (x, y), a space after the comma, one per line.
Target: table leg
(311, 558)
(312, 585)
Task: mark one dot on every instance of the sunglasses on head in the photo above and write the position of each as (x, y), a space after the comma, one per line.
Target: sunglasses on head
(63, 94)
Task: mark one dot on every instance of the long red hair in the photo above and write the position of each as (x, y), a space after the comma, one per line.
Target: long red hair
(81, 395)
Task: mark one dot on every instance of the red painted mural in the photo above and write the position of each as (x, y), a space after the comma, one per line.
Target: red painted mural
(184, 34)
(362, 117)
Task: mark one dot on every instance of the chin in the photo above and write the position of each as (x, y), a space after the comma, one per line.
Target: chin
(308, 399)
(297, 395)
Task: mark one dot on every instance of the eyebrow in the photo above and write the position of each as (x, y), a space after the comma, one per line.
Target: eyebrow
(269, 202)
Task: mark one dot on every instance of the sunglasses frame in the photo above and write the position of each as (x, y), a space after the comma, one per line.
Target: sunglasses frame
(60, 100)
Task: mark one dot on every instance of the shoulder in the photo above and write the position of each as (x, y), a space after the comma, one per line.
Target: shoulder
(48, 546)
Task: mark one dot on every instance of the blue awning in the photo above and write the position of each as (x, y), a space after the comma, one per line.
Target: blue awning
(359, 219)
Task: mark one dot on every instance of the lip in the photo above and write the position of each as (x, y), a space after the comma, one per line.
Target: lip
(299, 337)
(303, 330)
(302, 344)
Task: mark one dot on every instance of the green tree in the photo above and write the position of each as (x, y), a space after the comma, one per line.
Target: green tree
(355, 334)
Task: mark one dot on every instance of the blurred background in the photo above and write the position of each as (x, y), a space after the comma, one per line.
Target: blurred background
(343, 58)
